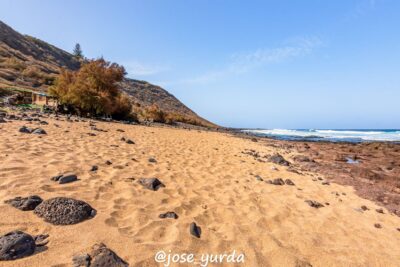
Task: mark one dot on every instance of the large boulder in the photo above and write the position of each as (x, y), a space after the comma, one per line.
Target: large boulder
(64, 211)
(24, 203)
(16, 245)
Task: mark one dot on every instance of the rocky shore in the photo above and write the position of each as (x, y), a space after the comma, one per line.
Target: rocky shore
(372, 168)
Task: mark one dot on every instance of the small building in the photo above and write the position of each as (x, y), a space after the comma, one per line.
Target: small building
(40, 98)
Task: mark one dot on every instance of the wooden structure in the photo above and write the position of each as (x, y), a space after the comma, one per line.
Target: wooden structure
(40, 98)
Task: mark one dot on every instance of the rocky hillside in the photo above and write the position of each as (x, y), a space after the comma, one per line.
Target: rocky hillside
(28, 62)
(146, 94)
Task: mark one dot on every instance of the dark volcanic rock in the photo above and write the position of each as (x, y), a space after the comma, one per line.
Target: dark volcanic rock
(278, 159)
(314, 204)
(94, 168)
(364, 208)
(69, 178)
(16, 245)
(56, 178)
(289, 182)
(169, 214)
(130, 142)
(380, 211)
(39, 131)
(65, 178)
(82, 260)
(25, 129)
(108, 162)
(277, 181)
(259, 178)
(2, 120)
(12, 117)
(100, 256)
(63, 211)
(103, 256)
(152, 160)
(151, 183)
(377, 225)
(195, 230)
(25, 203)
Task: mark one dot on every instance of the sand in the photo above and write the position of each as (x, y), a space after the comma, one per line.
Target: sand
(208, 181)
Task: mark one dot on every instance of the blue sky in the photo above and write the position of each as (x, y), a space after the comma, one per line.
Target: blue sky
(266, 64)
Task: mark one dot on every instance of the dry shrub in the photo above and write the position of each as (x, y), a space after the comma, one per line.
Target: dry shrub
(93, 89)
(41, 77)
(14, 63)
(123, 108)
(175, 117)
(154, 113)
(32, 72)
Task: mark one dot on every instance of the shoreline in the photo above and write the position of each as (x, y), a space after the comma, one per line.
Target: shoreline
(316, 138)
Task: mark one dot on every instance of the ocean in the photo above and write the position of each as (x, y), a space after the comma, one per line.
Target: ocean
(344, 135)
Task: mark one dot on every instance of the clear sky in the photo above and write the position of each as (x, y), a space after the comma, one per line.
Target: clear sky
(265, 64)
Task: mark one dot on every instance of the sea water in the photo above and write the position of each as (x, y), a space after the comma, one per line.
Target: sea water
(344, 135)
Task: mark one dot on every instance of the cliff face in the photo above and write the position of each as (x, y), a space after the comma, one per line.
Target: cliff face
(31, 63)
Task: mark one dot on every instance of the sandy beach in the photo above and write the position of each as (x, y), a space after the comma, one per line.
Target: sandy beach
(209, 179)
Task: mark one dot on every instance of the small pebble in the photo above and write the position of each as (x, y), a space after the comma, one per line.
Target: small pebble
(195, 230)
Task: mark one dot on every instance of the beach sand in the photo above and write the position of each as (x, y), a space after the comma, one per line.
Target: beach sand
(208, 180)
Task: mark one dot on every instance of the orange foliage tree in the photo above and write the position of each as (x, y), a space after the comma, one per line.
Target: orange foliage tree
(93, 89)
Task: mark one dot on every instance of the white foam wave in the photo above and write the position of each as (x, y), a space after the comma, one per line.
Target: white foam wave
(374, 135)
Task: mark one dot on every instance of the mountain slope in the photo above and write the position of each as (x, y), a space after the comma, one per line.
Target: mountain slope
(31, 63)
(146, 94)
